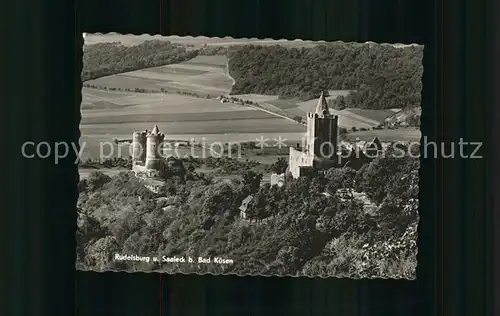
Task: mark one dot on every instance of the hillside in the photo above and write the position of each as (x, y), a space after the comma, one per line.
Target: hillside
(382, 76)
(104, 59)
(295, 229)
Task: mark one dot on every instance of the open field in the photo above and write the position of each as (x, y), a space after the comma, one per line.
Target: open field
(234, 129)
(255, 97)
(400, 134)
(375, 115)
(348, 118)
(177, 117)
(92, 144)
(285, 104)
(180, 117)
(208, 61)
(203, 75)
(130, 103)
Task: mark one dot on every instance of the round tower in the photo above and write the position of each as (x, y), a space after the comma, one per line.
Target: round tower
(154, 142)
(138, 148)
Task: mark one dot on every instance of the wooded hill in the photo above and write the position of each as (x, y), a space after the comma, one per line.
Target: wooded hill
(295, 229)
(105, 59)
(382, 76)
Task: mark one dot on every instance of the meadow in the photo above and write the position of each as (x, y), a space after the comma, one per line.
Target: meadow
(348, 118)
(409, 134)
(203, 75)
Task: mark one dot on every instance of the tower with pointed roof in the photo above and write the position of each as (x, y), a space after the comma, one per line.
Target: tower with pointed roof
(322, 130)
(154, 141)
(320, 147)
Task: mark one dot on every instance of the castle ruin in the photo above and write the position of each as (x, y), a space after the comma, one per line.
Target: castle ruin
(320, 146)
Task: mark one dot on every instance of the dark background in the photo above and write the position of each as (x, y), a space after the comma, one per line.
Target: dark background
(42, 92)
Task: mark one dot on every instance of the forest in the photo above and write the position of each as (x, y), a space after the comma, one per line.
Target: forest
(311, 226)
(105, 59)
(379, 76)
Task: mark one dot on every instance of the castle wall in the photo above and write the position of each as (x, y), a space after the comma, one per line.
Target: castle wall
(278, 179)
(298, 159)
(310, 132)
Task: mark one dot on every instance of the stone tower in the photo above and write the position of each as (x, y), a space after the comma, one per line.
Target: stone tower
(321, 135)
(139, 148)
(320, 148)
(154, 141)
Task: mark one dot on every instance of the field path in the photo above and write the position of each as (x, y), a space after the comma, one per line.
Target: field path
(264, 103)
(226, 71)
(276, 114)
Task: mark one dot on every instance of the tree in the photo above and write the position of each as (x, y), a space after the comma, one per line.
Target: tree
(308, 172)
(96, 180)
(293, 229)
(252, 180)
(257, 207)
(373, 74)
(279, 166)
(342, 131)
(104, 59)
(340, 178)
(340, 103)
(82, 185)
(218, 198)
(383, 172)
(318, 185)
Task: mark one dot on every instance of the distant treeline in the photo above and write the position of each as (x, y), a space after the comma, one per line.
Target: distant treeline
(144, 90)
(105, 59)
(381, 76)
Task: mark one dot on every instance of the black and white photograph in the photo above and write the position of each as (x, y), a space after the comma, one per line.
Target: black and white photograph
(262, 157)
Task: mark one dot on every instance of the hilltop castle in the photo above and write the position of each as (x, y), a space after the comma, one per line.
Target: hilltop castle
(146, 152)
(320, 148)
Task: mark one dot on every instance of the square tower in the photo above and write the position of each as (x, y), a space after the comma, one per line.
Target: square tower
(139, 148)
(322, 131)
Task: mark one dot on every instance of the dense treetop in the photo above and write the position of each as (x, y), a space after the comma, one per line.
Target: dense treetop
(382, 76)
(295, 229)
